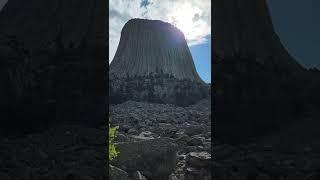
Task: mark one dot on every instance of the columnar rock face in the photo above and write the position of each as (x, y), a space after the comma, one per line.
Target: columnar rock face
(150, 46)
(53, 57)
(258, 86)
(153, 63)
(245, 27)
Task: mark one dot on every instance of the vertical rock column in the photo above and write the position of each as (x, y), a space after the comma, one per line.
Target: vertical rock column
(54, 53)
(245, 27)
(153, 63)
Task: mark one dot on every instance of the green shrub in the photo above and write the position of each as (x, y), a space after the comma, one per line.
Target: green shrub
(112, 148)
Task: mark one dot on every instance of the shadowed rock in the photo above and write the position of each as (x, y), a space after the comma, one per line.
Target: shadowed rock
(36, 23)
(52, 57)
(258, 86)
(151, 46)
(153, 63)
(142, 156)
(245, 27)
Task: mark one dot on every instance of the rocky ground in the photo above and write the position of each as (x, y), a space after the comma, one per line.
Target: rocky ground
(292, 153)
(159, 141)
(66, 152)
(257, 161)
(162, 141)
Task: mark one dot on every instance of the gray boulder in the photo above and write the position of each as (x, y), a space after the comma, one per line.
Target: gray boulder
(117, 174)
(155, 158)
(138, 176)
(199, 160)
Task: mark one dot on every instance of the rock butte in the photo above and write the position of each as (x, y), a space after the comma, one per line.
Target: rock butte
(53, 56)
(258, 86)
(153, 46)
(245, 27)
(153, 63)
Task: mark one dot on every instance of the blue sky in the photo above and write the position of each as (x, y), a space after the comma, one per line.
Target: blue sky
(201, 55)
(298, 27)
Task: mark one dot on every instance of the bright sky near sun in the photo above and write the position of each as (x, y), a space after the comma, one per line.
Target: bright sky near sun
(192, 17)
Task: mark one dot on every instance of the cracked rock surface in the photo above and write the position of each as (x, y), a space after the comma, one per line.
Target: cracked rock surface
(181, 133)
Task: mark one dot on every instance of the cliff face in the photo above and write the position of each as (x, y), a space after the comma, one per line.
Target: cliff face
(153, 63)
(37, 22)
(258, 86)
(150, 46)
(245, 27)
(53, 56)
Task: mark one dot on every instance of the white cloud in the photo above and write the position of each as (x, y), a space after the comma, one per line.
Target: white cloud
(192, 17)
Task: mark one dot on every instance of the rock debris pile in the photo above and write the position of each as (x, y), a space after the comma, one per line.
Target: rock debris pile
(162, 141)
(66, 152)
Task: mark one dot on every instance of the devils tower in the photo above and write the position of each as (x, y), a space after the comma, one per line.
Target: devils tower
(243, 27)
(259, 86)
(52, 63)
(153, 63)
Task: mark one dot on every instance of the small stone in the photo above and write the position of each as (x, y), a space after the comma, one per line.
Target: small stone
(138, 176)
(146, 134)
(117, 174)
(183, 139)
(190, 149)
(194, 129)
(172, 177)
(132, 131)
(199, 159)
(196, 141)
(120, 138)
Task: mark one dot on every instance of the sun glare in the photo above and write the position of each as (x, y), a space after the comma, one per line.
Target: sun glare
(183, 18)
